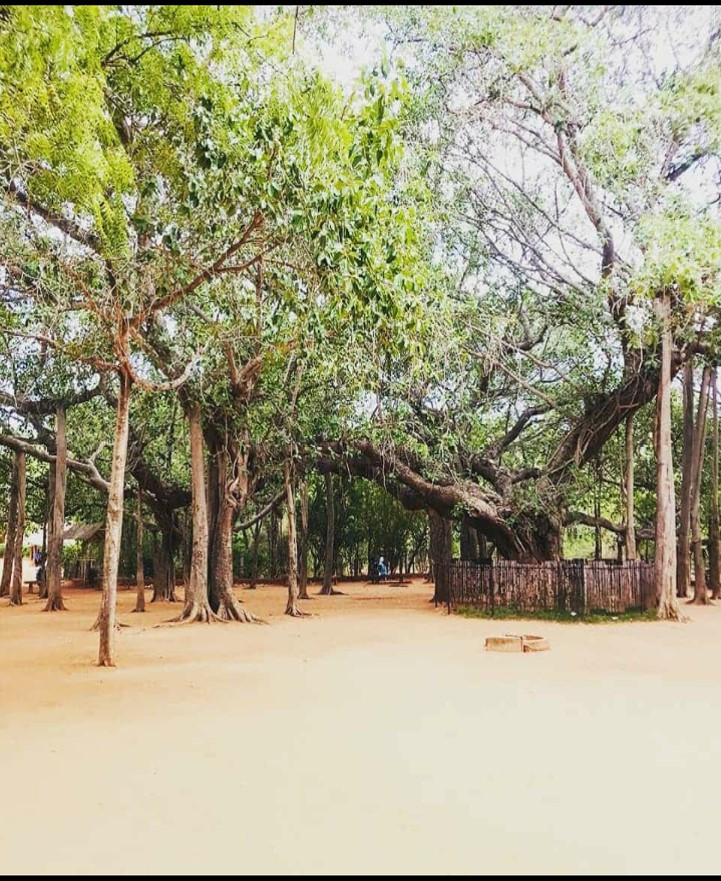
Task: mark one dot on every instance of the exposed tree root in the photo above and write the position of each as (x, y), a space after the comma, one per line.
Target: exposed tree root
(699, 601)
(230, 610)
(195, 612)
(670, 612)
(137, 610)
(294, 612)
(55, 604)
(333, 593)
(96, 626)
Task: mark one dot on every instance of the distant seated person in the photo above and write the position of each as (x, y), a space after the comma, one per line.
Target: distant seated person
(382, 569)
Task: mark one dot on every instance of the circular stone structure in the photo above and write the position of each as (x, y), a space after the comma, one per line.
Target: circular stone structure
(515, 643)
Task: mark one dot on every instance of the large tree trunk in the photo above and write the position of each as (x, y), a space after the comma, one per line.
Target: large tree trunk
(114, 527)
(228, 486)
(683, 561)
(57, 519)
(714, 557)
(139, 558)
(700, 593)
(665, 560)
(630, 536)
(291, 607)
(327, 589)
(9, 555)
(441, 545)
(303, 542)
(197, 604)
(16, 583)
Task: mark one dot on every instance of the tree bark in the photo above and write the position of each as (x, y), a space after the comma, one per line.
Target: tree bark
(114, 527)
(303, 542)
(327, 589)
(714, 555)
(665, 559)
(683, 561)
(291, 607)
(9, 555)
(630, 536)
(139, 558)
(197, 603)
(57, 519)
(441, 548)
(700, 593)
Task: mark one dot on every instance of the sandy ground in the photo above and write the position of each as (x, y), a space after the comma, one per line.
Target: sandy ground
(375, 737)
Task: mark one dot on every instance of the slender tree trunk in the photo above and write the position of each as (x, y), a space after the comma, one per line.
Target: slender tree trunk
(254, 561)
(272, 530)
(291, 607)
(303, 543)
(43, 575)
(713, 533)
(139, 558)
(16, 584)
(9, 555)
(700, 593)
(114, 527)
(223, 600)
(47, 530)
(598, 543)
(683, 562)
(469, 541)
(630, 537)
(57, 519)
(441, 543)
(163, 558)
(327, 589)
(665, 559)
(197, 604)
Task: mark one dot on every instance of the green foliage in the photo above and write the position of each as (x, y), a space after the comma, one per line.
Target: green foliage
(593, 617)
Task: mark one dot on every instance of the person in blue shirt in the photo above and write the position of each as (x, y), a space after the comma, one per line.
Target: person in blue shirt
(382, 569)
